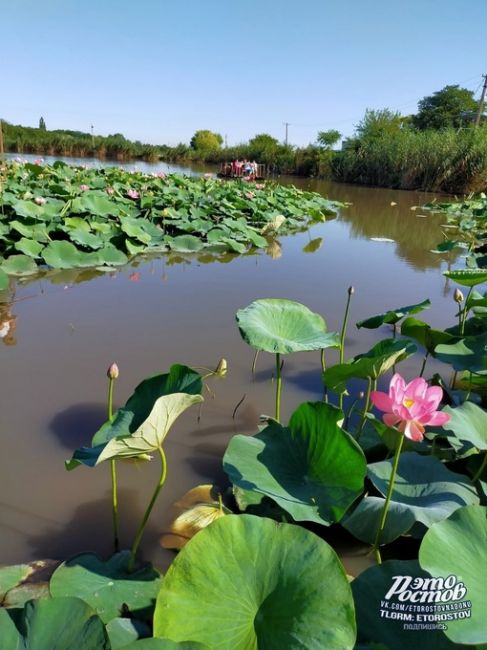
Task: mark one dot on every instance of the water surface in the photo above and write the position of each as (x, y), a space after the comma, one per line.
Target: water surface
(67, 327)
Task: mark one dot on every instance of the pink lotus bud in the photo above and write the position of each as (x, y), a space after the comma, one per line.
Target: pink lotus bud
(113, 372)
(109, 190)
(84, 188)
(40, 200)
(133, 194)
(249, 195)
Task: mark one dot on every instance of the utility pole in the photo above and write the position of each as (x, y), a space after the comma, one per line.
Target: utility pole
(226, 143)
(286, 124)
(92, 137)
(481, 103)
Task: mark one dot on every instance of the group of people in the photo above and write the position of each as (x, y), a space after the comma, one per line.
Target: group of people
(242, 168)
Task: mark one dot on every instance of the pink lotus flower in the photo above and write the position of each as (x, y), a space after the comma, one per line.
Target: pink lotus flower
(133, 194)
(40, 200)
(259, 186)
(410, 407)
(109, 190)
(134, 277)
(84, 188)
(249, 195)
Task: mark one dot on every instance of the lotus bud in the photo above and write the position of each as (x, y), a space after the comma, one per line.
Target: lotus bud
(113, 372)
(351, 291)
(221, 369)
(458, 296)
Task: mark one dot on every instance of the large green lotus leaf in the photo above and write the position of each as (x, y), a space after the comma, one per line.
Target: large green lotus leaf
(185, 243)
(381, 621)
(470, 353)
(457, 546)
(424, 334)
(374, 363)
(4, 281)
(121, 632)
(29, 247)
(247, 582)
(151, 433)
(425, 486)
(312, 469)
(135, 228)
(467, 277)
(393, 316)
(54, 624)
(111, 256)
(107, 586)
(87, 239)
(284, 326)
(468, 422)
(96, 203)
(19, 265)
(61, 255)
(179, 379)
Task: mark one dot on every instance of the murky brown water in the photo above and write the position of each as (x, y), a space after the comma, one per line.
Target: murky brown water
(68, 327)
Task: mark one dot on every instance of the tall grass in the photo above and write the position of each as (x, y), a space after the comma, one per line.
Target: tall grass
(450, 160)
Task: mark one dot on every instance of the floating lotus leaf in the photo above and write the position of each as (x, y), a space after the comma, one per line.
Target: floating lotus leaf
(393, 316)
(29, 247)
(457, 546)
(107, 586)
(19, 265)
(60, 623)
(374, 363)
(283, 326)
(381, 622)
(425, 491)
(248, 582)
(470, 353)
(467, 277)
(61, 255)
(312, 469)
(12, 576)
(469, 423)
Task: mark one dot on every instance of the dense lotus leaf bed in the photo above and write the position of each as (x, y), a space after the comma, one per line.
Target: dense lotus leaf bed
(67, 217)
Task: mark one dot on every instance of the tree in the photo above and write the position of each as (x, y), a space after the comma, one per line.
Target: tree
(327, 139)
(42, 124)
(205, 140)
(376, 124)
(452, 106)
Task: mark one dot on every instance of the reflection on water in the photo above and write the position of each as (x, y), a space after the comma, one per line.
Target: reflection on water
(70, 325)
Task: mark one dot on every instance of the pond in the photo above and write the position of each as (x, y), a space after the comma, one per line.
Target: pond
(69, 326)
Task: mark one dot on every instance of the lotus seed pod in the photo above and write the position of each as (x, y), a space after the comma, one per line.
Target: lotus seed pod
(458, 296)
(113, 372)
(221, 369)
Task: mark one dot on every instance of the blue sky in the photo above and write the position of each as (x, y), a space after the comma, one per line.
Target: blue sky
(157, 71)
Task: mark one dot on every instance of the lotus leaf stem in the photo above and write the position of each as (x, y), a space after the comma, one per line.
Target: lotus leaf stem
(383, 518)
(113, 468)
(481, 469)
(147, 513)
(323, 368)
(278, 386)
(465, 312)
(425, 359)
(344, 327)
